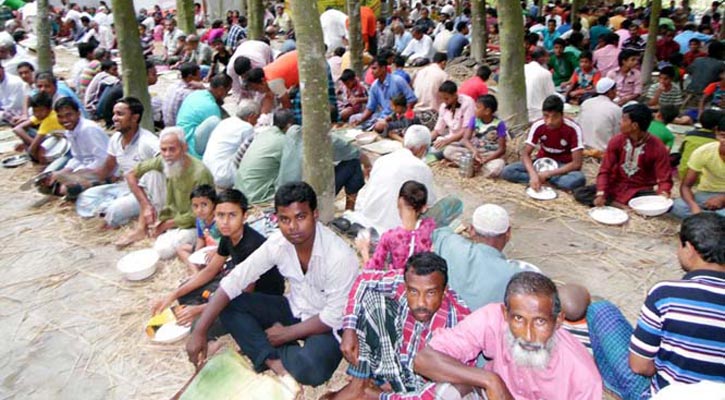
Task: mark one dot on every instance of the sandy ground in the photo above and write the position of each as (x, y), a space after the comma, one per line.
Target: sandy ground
(73, 327)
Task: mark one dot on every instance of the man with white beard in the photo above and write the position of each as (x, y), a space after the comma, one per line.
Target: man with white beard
(531, 356)
(174, 224)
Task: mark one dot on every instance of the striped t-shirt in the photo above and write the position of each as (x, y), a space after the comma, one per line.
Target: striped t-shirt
(682, 327)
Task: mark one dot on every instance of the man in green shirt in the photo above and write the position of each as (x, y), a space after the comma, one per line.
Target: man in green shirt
(562, 63)
(658, 127)
(260, 167)
(176, 220)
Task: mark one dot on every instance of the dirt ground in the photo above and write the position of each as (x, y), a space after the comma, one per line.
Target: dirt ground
(73, 327)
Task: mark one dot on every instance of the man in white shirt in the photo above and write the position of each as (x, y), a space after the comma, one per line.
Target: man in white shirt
(600, 116)
(334, 28)
(420, 49)
(377, 202)
(171, 41)
(426, 83)
(539, 83)
(130, 145)
(248, 55)
(440, 43)
(12, 96)
(320, 268)
(229, 141)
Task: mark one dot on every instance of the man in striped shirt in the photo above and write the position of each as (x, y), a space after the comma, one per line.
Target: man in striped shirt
(680, 334)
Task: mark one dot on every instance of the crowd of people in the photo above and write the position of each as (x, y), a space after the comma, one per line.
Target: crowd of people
(425, 311)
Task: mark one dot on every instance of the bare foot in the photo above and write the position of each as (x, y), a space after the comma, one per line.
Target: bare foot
(130, 238)
(277, 367)
(354, 390)
(213, 347)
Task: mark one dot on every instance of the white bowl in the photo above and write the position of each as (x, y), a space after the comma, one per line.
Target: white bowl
(138, 265)
(366, 138)
(546, 193)
(650, 206)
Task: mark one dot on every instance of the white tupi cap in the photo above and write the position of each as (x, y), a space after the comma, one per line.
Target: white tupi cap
(604, 85)
(490, 220)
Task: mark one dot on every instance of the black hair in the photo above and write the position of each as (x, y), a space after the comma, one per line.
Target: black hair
(669, 112)
(586, 55)
(204, 191)
(232, 196)
(625, 54)
(668, 71)
(340, 51)
(399, 61)
(576, 39)
(347, 75)
(553, 103)
(706, 233)
(255, 75)
(721, 124)
(602, 20)
(399, 100)
(426, 263)
(561, 42)
(538, 53)
(529, 282)
(84, 49)
(382, 61)
(483, 72)
(25, 64)
(625, 24)
(106, 65)
(415, 194)
(217, 41)
(283, 118)
(242, 65)
(710, 118)
(461, 26)
(220, 80)
(715, 49)
(439, 58)
(188, 69)
(150, 65)
(640, 114)
(449, 87)
(449, 25)
(41, 99)
(66, 102)
(46, 76)
(611, 38)
(532, 39)
(694, 40)
(295, 192)
(488, 101)
(134, 105)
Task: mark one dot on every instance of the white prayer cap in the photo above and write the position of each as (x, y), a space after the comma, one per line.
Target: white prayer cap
(604, 85)
(490, 220)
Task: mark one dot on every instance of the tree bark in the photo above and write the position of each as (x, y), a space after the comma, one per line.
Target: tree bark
(355, 40)
(185, 16)
(512, 84)
(42, 29)
(650, 58)
(255, 17)
(317, 167)
(134, 65)
(478, 30)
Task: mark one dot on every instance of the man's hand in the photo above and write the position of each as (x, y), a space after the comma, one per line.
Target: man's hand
(160, 304)
(277, 334)
(196, 348)
(355, 123)
(713, 203)
(599, 201)
(534, 182)
(149, 215)
(544, 176)
(185, 315)
(350, 347)
(496, 389)
(440, 143)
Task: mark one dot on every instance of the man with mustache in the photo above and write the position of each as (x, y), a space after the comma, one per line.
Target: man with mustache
(531, 357)
(182, 173)
(390, 317)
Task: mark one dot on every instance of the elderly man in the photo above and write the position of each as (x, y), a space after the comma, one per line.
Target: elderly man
(388, 319)
(530, 355)
(12, 95)
(419, 50)
(260, 166)
(198, 53)
(539, 82)
(172, 225)
(376, 203)
(200, 113)
(229, 142)
(320, 268)
(599, 116)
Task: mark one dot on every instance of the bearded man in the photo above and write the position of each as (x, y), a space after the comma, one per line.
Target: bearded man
(531, 356)
(173, 225)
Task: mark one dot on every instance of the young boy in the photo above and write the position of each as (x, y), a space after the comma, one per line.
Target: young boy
(238, 241)
(35, 129)
(351, 95)
(583, 81)
(562, 64)
(658, 126)
(397, 68)
(485, 138)
(398, 121)
(694, 52)
(219, 59)
(203, 201)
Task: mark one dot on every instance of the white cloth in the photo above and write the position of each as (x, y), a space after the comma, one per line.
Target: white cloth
(599, 118)
(167, 243)
(106, 37)
(378, 200)
(73, 15)
(258, 52)
(76, 71)
(449, 9)
(171, 40)
(11, 64)
(322, 291)
(539, 86)
(440, 44)
(422, 48)
(101, 18)
(223, 144)
(144, 146)
(334, 28)
(12, 95)
(426, 83)
(88, 146)
(149, 23)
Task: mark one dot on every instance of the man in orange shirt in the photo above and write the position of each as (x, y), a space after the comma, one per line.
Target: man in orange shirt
(274, 80)
(368, 29)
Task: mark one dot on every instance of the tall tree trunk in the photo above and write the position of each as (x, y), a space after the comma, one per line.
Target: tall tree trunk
(355, 40)
(185, 16)
(255, 15)
(650, 58)
(478, 30)
(134, 65)
(317, 167)
(42, 30)
(511, 83)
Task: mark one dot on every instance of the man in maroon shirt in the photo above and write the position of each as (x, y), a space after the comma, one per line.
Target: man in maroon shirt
(667, 46)
(635, 163)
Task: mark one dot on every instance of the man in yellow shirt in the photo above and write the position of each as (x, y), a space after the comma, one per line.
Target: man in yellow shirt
(35, 129)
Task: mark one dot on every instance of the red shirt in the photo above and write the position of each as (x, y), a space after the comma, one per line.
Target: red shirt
(474, 88)
(627, 169)
(666, 49)
(690, 57)
(556, 143)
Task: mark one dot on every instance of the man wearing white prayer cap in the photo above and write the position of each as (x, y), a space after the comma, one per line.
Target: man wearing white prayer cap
(477, 269)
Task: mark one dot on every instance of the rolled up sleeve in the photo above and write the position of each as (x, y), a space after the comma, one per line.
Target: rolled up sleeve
(262, 260)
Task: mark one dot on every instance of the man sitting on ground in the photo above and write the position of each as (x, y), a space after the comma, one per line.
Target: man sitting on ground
(600, 117)
(522, 338)
(454, 115)
(175, 94)
(710, 121)
(321, 269)
(419, 50)
(100, 83)
(183, 173)
(475, 86)
(634, 164)
(390, 317)
(665, 92)
(561, 140)
(200, 113)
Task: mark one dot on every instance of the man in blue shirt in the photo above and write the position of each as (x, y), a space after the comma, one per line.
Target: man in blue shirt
(458, 41)
(385, 87)
(683, 38)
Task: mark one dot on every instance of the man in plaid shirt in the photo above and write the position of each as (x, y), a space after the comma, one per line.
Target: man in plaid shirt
(389, 317)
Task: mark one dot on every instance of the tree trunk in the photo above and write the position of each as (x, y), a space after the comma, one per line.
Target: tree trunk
(355, 40)
(575, 6)
(134, 65)
(42, 30)
(242, 8)
(185, 16)
(386, 7)
(317, 167)
(650, 59)
(255, 16)
(511, 83)
(478, 30)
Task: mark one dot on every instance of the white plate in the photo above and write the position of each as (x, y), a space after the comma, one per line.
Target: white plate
(608, 215)
(546, 193)
(138, 265)
(545, 164)
(15, 161)
(170, 333)
(525, 266)
(199, 256)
